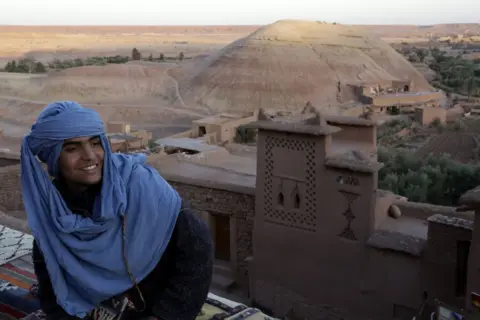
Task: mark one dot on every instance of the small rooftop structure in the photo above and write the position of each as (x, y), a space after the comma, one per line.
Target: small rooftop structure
(221, 127)
(196, 145)
(301, 123)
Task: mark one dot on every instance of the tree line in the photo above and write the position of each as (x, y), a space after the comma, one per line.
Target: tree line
(28, 65)
(433, 179)
(137, 55)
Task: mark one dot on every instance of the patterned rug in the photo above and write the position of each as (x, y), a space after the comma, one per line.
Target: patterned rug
(13, 244)
(16, 280)
(18, 287)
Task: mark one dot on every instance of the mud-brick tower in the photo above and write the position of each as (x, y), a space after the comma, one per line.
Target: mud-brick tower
(314, 211)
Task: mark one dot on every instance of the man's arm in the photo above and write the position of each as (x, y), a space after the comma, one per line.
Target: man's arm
(46, 295)
(188, 265)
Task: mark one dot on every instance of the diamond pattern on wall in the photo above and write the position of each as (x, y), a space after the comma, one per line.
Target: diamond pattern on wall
(347, 232)
(306, 219)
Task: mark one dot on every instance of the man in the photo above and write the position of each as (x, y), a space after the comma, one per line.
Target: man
(111, 235)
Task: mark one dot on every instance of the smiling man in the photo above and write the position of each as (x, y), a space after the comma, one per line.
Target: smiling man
(81, 161)
(112, 237)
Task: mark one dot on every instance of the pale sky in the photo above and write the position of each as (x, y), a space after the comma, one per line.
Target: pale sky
(229, 12)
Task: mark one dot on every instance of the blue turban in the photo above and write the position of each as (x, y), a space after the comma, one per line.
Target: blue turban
(84, 256)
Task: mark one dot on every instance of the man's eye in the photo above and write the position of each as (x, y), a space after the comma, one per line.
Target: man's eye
(69, 149)
(96, 142)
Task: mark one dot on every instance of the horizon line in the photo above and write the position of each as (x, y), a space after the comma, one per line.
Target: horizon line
(227, 25)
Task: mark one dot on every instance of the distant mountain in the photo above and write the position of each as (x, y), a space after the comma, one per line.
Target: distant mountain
(287, 63)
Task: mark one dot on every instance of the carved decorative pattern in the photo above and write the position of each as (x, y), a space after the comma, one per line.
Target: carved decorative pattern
(353, 181)
(347, 232)
(300, 219)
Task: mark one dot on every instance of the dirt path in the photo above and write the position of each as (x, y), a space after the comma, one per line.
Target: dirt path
(177, 89)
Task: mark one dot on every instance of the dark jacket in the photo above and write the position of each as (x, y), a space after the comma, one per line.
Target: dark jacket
(175, 290)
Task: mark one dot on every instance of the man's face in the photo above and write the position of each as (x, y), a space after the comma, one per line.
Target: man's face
(81, 161)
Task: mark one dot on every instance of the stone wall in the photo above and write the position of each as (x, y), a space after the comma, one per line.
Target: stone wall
(290, 305)
(4, 162)
(10, 194)
(238, 206)
(425, 210)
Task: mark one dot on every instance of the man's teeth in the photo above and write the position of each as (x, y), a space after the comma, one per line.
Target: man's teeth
(90, 168)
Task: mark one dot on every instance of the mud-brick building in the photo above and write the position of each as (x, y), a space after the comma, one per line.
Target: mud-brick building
(327, 244)
(307, 234)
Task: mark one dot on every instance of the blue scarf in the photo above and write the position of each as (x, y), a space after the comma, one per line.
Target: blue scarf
(84, 255)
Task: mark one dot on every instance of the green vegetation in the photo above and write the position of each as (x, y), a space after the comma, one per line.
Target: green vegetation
(33, 66)
(434, 179)
(390, 129)
(455, 74)
(58, 64)
(25, 66)
(136, 55)
(245, 135)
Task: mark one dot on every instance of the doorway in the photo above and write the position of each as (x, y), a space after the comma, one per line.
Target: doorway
(222, 237)
(202, 131)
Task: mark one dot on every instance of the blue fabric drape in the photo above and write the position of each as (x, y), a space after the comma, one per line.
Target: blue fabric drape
(84, 255)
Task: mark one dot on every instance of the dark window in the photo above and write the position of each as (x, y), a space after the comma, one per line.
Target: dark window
(281, 199)
(463, 247)
(297, 201)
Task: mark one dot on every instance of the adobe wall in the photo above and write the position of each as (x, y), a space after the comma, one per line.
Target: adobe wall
(237, 205)
(427, 115)
(229, 129)
(117, 127)
(441, 256)
(185, 134)
(423, 211)
(392, 99)
(10, 189)
(4, 162)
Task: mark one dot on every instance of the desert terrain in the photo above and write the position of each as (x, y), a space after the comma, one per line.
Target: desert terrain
(283, 65)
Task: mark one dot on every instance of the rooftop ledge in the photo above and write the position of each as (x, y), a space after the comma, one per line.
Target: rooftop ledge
(293, 127)
(351, 121)
(471, 198)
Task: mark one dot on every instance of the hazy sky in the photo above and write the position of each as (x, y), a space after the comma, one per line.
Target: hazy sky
(211, 12)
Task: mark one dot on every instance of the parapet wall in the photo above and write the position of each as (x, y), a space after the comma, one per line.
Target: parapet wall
(239, 206)
(406, 99)
(423, 211)
(10, 189)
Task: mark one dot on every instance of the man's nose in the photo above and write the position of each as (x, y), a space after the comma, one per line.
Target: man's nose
(88, 153)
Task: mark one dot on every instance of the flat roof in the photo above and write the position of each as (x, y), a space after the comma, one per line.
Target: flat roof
(207, 176)
(407, 235)
(122, 136)
(6, 154)
(221, 118)
(187, 144)
(350, 121)
(408, 94)
(294, 124)
(452, 221)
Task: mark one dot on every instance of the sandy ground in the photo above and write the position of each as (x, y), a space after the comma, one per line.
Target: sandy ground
(142, 94)
(46, 43)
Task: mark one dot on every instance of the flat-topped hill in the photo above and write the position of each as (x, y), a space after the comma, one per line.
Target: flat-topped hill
(290, 62)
